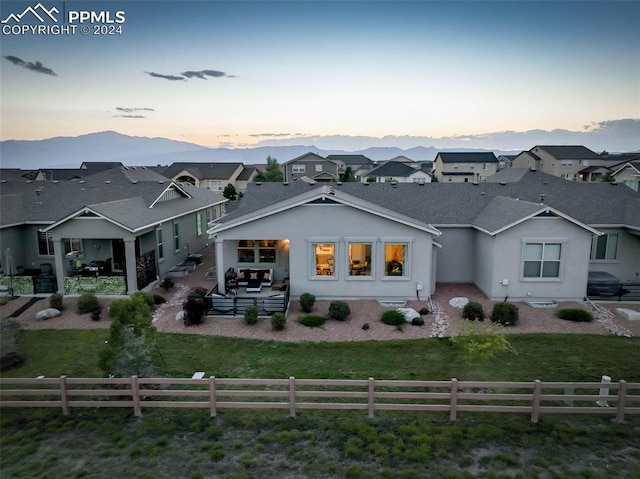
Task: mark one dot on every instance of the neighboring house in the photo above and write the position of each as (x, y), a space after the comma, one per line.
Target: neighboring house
(396, 172)
(100, 165)
(627, 173)
(311, 166)
(534, 238)
(121, 222)
(357, 163)
(17, 174)
(463, 167)
(558, 160)
(212, 176)
(243, 179)
(505, 161)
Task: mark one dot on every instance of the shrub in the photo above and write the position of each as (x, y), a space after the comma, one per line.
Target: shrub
(473, 311)
(339, 310)
(505, 314)
(157, 299)
(251, 315)
(95, 314)
(366, 326)
(10, 356)
(87, 303)
(393, 318)
(481, 344)
(278, 321)
(195, 307)
(55, 301)
(312, 320)
(423, 311)
(146, 297)
(306, 302)
(417, 322)
(167, 283)
(575, 314)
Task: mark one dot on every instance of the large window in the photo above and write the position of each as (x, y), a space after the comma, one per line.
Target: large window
(199, 224)
(264, 250)
(45, 244)
(605, 247)
(298, 168)
(359, 259)
(160, 242)
(214, 185)
(542, 260)
(324, 258)
(395, 259)
(176, 236)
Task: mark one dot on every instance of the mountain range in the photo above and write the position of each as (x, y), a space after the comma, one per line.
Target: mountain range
(71, 152)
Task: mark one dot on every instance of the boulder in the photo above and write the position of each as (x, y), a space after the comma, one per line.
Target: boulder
(409, 314)
(629, 314)
(47, 314)
(180, 316)
(458, 302)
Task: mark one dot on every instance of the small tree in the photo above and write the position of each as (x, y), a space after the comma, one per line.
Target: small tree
(251, 315)
(195, 307)
(55, 301)
(306, 302)
(339, 310)
(272, 173)
(278, 321)
(230, 192)
(348, 175)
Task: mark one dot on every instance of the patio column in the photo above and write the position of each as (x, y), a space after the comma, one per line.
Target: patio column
(130, 258)
(58, 255)
(220, 268)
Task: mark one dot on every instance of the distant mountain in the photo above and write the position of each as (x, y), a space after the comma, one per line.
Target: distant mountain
(71, 152)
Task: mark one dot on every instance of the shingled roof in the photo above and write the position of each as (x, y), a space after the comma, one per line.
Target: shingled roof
(569, 152)
(351, 159)
(392, 168)
(467, 157)
(218, 171)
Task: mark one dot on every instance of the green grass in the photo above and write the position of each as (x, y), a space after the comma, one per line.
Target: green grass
(549, 357)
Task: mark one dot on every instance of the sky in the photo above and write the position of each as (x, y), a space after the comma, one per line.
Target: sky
(243, 73)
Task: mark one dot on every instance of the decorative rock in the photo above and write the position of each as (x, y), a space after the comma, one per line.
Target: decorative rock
(408, 313)
(458, 302)
(180, 316)
(47, 314)
(440, 320)
(629, 314)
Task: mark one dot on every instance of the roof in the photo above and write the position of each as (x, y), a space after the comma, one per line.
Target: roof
(467, 157)
(629, 164)
(570, 152)
(15, 174)
(622, 157)
(125, 196)
(100, 165)
(462, 204)
(203, 170)
(245, 174)
(351, 160)
(66, 173)
(392, 168)
(508, 157)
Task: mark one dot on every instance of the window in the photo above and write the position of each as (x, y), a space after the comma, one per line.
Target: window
(71, 244)
(199, 224)
(318, 168)
(264, 250)
(485, 166)
(176, 237)
(359, 259)
(605, 247)
(569, 176)
(420, 181)
(324, 259)
(631, 184)
(214, 185)
(298, 168)
(395, 259)
(267, 251)
(160, 242)
(566, 163)
(542, 260)
(45, 244)
(246, 251)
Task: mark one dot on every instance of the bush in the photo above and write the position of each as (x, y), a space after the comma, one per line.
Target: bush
(366, 326)
(157, 299)
(339, 310)
(575, 314)
(146, 297)
(417, 322)
(251, 315)
(87, 303)
(278, 321)
(473, 311)
(423, 311)
(312, 320)
(505, 314)
(306, 302)
(95, 314)
(167, 283)
(195, 307)
(55, 301)
(393, 318)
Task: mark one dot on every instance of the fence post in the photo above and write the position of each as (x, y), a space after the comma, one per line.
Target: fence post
(63, 395)
(604, 391)
(453, 408)
(622, 399)
(371, 397)
(535, 403)
(292, 396)
(135, 396)
(212, 396)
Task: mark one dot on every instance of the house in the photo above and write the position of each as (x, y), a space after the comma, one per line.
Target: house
(357, 163)
(505, 161)
(628, 173)
(528, 235)
(212, 176)
(247, 175)
(398, 172)
(125, 227)
(559, 160)
(312, 166)
(463, 167)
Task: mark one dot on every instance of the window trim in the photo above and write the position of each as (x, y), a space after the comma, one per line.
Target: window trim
(255, 248)
(199, 224)
(594, 248)
(374, 254)
(298, 168)
(408, 243)
(160, 243)
(176, 236)
(563, 245)
(311, 263)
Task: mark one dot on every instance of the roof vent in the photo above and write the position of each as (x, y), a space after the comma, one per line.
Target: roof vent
(258, 183)
(366, 183)
(286, 183)
(503, 183)
(135, 182)
(108, 182)
(339, 183)
(614, 183)
(81, 182)
(542, 196)
(533, 169)
(475, 183)
(161, 182)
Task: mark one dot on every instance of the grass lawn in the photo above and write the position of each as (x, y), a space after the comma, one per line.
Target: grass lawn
(324, 444)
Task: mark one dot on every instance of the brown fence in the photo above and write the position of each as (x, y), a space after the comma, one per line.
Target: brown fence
(535, 398)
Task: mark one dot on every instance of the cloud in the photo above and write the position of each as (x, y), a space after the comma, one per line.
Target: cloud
(166, 77)
(132, 110)
(34, 67)
(203, 74)
(270, 135)
(129, 116)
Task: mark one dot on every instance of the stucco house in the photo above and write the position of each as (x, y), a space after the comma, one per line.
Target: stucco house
(123, 226)
(357, 163)
(527, 236)
(212, 176)
(628, 173)
(399, 172)
(311, 166)
(463, 167)
(565, 161)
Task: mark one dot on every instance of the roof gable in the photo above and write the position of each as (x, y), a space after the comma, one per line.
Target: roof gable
(309, 157)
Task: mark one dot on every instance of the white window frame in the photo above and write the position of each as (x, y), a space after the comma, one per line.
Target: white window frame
(406, 270)
(318, 168)
(48, 237)
(608, 246)
(298, 168)
(313, 271)
(160, 243)
(544, 241)
(566, 163)
(214, 185)
(374, 257)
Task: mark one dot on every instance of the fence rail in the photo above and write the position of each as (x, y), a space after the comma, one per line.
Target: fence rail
(535, 398)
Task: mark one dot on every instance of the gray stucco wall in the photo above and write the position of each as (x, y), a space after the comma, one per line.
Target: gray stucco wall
(456, 258)
(340, 224)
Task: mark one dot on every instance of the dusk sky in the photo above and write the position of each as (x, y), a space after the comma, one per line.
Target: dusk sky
(238, 73)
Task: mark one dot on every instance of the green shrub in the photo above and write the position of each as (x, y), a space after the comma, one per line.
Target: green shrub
(417, 322)
(55, 301)
(339, 310)
(167, 283)
(575, 314)
(251, 315)
(146, 297)
(393, 318)
(505, 314)
(306, 302)
(423, 311)
(157, 299)
(312, 320)
(87, 303)
(195, 307)
(366, 326)
(95, 314)
(278, 321)
(473, 311)
(3, 301)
